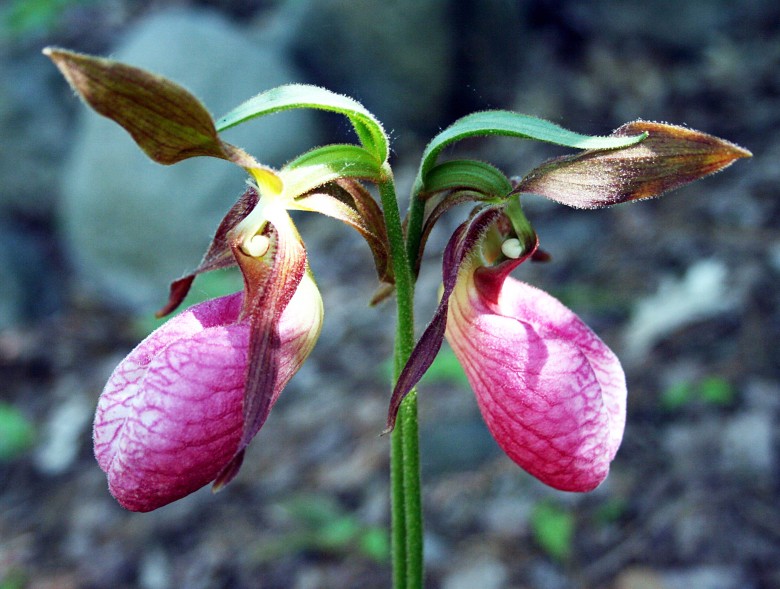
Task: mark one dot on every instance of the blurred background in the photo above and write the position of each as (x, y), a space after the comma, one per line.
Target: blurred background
(684, 289)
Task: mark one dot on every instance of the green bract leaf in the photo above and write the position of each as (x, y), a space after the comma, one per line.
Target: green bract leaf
(670, 157)
(367, 127)
(553, 529)
(322, 165)
(468, 175)
(17, 433)
(510, 124)
(164, 119)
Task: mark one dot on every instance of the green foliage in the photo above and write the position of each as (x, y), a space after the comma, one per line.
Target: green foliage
(13, 579)
(17, 433)
(446, 368)
(553, 530)
(714, 391)
(320, 524)
(368, 129)
(511, 124)
(611, 510)
(27, 17)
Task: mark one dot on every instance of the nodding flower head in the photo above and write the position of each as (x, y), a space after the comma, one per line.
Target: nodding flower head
(180, 409)
(552, 394)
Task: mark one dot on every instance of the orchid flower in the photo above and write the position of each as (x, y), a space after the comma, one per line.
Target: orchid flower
(170, 418)
(552, 394)
(181, 409)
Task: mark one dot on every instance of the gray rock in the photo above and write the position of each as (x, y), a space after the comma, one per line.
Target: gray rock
(33, 121)
(395, 57)
(711, 577)
(133, 225)
(747, 445)
(485, 573)
(741, 445)
(704, 292)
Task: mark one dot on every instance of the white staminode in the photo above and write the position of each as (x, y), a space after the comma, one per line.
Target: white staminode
(256, 246)
(512, 248)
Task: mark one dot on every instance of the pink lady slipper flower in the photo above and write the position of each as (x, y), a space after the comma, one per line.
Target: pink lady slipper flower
(551, 392)
(179, 411)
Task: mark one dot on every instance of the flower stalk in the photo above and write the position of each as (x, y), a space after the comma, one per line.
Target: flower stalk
(405, 494)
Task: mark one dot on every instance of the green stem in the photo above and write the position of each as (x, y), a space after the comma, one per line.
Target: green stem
(415, 224)
(405, 494)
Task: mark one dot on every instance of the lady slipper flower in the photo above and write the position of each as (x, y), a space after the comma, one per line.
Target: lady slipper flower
(170, 418)
(181, 409)
(552, 394)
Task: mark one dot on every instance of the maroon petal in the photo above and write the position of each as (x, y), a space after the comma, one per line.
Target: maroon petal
(219, 255)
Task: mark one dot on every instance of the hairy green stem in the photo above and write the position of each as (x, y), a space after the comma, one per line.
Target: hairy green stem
(407, 525)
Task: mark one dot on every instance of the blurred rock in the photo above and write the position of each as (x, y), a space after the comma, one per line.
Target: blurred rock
(711, 577)
(748, 445)
(394, 57)
(133, 225)
(33, 122)
(485, 573)
(704, 291)
(442, 449)
(64, 430)
(740, 445)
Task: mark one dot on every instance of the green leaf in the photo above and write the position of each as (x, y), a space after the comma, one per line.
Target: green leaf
(716, 391)
(319, 166)
(677, 395)
(17, 433)
(367, 127)
(473, 175)
(510, 124)
(553, 529)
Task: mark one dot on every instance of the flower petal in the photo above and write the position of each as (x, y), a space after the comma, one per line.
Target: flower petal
(170, 415)
(551, 392)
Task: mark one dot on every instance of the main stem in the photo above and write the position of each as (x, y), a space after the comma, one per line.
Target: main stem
(406, 502)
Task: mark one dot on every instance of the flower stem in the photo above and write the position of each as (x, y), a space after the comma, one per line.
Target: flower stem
(406, 508)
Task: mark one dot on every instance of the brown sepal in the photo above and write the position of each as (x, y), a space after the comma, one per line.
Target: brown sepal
(668, 158)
